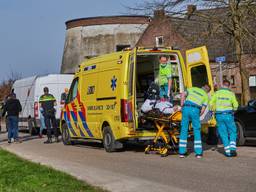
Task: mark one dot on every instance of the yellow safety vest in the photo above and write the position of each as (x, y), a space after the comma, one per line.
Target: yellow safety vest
(197, 96)
(165, 73)
(223, 100)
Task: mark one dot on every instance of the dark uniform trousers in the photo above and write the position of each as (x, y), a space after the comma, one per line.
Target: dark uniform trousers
(47, 103)
(50, 121)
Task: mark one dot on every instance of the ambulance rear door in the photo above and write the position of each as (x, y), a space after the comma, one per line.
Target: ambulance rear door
(199, 74)
(131, 100)
(198, 67)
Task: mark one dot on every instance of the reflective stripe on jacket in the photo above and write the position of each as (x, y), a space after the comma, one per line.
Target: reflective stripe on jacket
(47, 97)
(47, 103)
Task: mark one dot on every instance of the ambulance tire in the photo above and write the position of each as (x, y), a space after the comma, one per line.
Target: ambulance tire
(66, 138)
(108, 139)
(240, 134)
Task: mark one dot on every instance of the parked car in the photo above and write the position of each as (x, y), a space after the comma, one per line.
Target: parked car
(28, 91)
(245, 118)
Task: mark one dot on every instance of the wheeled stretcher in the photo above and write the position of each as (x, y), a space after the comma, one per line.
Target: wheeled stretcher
(167, 132)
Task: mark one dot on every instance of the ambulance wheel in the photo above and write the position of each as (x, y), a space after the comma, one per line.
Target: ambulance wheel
(108, 139)
(66, 139)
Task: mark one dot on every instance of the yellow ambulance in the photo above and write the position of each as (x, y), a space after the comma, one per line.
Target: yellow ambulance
(107, 92)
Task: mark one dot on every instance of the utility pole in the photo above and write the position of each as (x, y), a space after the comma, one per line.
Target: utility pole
(221, 74)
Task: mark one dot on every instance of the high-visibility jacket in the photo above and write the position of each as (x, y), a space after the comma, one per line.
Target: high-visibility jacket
(197, 96)
(165, 73)
(223, 100)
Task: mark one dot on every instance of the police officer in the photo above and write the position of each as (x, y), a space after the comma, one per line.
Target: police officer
(165, 77)
(224, 103)
(47, 105)
(194, 102)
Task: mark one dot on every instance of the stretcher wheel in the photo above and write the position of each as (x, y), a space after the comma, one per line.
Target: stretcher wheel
(164, 152)
(147, 150)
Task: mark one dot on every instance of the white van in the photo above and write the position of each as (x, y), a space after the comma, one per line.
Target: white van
(29, 90)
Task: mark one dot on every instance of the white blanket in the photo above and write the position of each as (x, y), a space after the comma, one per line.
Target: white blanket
(148, 105)
(163, 106)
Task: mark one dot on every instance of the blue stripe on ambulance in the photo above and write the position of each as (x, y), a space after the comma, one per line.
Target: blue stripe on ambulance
(85, 124)
(69, 124)
(73, 116)
(75, 120)
(81, 132)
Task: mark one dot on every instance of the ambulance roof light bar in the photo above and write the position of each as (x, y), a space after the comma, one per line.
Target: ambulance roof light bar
(157, 48)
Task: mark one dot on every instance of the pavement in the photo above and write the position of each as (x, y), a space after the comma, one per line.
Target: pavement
(132, 170)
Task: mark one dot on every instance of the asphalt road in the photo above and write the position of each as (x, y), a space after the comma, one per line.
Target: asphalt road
(132, 170)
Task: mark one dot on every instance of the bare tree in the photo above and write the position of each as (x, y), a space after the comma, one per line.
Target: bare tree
(236, 19)
(6, 85)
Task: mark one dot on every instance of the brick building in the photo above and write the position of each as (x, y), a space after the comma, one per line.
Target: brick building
(190, 31)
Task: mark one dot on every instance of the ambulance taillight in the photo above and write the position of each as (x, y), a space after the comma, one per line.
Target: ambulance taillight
(36, 109)
(124, 110)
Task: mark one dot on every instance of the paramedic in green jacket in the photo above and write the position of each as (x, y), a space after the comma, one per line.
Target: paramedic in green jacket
(165, 78)
(194, 102)
(224, 103)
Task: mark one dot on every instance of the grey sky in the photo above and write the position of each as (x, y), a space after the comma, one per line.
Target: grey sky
(32, 32)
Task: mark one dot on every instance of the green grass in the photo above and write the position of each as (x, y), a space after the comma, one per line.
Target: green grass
(18, 175)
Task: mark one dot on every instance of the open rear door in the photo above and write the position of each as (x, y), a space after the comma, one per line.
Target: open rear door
(131, 103)
(198, 67)
(198, 74)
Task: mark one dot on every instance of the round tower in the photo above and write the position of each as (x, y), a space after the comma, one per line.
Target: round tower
(90, 37)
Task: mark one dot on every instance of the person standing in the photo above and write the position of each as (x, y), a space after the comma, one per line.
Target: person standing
(194, 102)
(47, 104)
(165, 78)
(224, 103)
(64, 96)
(42, 123)
(12, 107)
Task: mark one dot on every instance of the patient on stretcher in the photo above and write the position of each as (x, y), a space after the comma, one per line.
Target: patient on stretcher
(153, 102)
(163, 107)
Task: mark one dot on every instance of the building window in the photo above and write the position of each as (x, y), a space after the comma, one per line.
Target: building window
(159, 41)
(232, 80)
(122, 47)
(252, 81)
